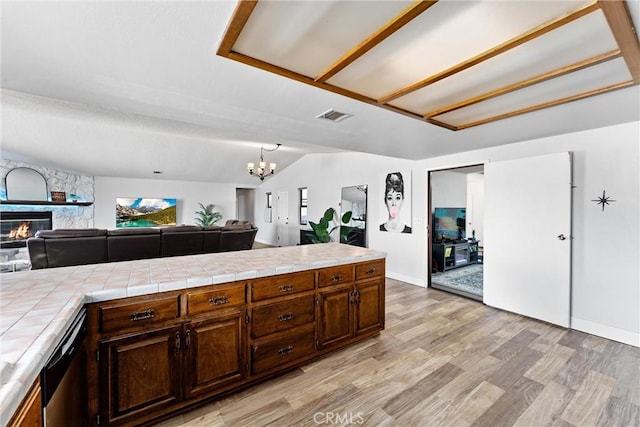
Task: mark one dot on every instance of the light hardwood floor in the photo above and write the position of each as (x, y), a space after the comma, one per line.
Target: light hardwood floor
(444, 360)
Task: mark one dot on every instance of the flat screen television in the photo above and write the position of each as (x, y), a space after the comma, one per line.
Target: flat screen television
(449, 224)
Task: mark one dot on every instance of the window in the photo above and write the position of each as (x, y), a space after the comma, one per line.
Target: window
(302, 205)
(269, 201)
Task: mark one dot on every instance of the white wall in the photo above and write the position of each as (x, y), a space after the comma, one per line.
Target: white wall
(605, 279)
(475, 206)
(448, 189)
(188, 195)
(606, 274)
(324, 175)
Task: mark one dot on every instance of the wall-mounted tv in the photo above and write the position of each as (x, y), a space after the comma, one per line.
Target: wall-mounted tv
(449, 224)
(145, 212)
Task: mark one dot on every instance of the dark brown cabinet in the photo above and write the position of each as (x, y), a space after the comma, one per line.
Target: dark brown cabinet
(350, 310)
(214, 353)
(160, 353)
(140, 373)
(29, 413)
(335, 322)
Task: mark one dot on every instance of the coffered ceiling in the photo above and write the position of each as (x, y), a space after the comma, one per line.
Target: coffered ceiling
(455, 64)
(128, 87)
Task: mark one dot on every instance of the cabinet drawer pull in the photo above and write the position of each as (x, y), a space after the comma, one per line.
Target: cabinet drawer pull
(187, 340)
(337, 278)
(286, 288)
(142, 315)
(370, 271)
(284, 351)
(285, 316)
(177, 342)
(219, 300)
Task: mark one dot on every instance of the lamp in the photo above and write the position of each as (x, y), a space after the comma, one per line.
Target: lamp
(262, 170)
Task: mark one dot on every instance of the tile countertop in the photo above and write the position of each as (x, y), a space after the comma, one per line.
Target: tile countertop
(37, 307)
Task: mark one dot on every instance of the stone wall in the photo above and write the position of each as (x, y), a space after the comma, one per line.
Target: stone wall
(63, 216)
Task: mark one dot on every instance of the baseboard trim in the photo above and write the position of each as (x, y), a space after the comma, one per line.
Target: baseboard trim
(606, 331)
(417, 281)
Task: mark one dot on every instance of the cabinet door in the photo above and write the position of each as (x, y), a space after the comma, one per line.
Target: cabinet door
(214, 353)
(369, 306)
(336, 315)
(29, 413)
(140, 373)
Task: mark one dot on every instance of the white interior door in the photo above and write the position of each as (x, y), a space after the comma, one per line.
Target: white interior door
(282, 222)
(527, 228)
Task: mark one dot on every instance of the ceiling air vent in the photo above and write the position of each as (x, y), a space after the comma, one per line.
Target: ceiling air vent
(334, 116)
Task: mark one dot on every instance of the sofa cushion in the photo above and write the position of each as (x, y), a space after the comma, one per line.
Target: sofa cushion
(132, 231)
(65, 251)
(182, 240)
(181, 229)
(237, 240)
(63, 233)
(211, 241)
(133, 243)
(238, 226)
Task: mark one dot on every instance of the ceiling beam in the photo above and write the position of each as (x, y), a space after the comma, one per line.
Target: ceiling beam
(497, 50)
(376, 38)
(598, 59)
(254, 62)
(239, 19)
(619, 20)
(548, 104)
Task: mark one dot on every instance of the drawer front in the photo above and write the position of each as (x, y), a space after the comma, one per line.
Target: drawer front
(335, 275)
(215, 299)
(370, 269)
(127, 315)
(270, 354)
(286, 284)
(281, 316)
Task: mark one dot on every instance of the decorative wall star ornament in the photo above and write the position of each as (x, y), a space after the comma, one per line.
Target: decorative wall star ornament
(604, 200)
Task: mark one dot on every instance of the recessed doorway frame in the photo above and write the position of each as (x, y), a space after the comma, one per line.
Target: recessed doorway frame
(430, 213)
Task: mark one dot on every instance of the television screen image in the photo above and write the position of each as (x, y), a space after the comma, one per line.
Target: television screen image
(449, 223)
(145, 212)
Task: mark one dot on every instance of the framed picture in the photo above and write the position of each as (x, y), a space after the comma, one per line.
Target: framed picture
(58, 196)
(396, 202)
(145, 212)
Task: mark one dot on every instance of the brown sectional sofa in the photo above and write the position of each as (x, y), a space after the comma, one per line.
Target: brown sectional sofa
(65, 247)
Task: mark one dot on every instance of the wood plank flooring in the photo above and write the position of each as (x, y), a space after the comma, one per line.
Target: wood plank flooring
(445, 360)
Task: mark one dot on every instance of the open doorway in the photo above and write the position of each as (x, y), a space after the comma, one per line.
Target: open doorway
(456, 226)
(245, 201)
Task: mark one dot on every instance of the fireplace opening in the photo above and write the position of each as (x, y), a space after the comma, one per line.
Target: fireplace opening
(16, 227)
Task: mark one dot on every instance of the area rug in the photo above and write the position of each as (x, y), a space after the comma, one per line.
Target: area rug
(466, 279)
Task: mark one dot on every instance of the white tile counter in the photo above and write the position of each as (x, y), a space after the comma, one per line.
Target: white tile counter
(37, 307)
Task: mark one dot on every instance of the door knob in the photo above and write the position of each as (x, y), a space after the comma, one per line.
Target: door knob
(562, 237)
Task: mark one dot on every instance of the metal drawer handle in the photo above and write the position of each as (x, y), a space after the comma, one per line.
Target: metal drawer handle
(370, 271)
(284, 351)
(285, 316)
(142, 315)
(286, 288)
(337, 278)
(220, 300)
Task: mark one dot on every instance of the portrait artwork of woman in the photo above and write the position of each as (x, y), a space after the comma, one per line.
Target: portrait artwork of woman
(393, 199)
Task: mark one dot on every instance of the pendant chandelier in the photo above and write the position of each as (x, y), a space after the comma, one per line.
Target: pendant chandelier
(262, 172)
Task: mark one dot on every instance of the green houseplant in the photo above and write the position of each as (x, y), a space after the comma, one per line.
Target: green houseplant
(206, 216)
(321, 231)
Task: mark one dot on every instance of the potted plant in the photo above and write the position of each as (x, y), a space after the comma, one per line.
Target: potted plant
(207, 216)
(321, 231)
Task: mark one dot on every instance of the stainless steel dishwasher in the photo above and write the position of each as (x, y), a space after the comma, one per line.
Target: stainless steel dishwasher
(64, 379)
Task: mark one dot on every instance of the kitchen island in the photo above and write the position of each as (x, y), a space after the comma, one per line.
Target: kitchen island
(38, 306)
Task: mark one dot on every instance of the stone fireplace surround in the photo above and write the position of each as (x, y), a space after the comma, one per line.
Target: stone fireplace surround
(62, 216)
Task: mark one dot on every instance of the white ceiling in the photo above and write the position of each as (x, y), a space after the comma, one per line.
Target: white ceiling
(124, 88)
